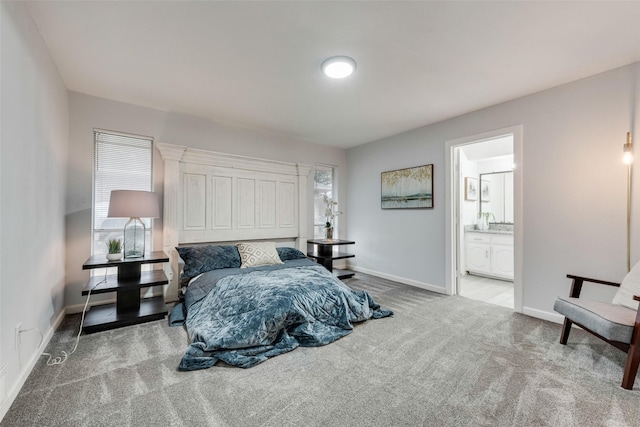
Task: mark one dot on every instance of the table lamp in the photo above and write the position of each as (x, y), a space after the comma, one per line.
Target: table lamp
(135, 205)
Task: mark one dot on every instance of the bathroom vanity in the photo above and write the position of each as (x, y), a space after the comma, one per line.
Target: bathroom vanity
(489, 252)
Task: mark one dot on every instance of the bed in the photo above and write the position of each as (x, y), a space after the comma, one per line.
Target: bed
(243, 313)
(221, 212)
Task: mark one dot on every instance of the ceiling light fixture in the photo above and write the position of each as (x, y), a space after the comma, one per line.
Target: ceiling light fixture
(338, 67)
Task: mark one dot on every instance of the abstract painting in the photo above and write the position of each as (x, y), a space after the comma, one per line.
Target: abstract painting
(408, 188)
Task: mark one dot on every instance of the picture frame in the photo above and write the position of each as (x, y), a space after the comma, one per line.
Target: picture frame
(409, 188)
(485, 190)
(470, 188)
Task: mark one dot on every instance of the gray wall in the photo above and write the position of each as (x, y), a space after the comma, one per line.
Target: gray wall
(33, 165)
(574, 189)
(87, 113)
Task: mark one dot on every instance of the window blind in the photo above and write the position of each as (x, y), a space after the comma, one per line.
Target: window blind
(121, 162)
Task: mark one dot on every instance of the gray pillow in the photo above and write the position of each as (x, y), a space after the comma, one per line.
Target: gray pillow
(200, 259)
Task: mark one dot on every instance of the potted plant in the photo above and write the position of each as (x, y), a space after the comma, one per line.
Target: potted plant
(330, 213)
(114, 247)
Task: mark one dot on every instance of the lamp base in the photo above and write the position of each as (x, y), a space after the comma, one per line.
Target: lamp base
(134, 238)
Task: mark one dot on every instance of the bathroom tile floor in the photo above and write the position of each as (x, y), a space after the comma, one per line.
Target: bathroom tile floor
(499, 292)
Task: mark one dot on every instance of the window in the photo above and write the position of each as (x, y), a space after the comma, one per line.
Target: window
(323, 184)
(121, 162)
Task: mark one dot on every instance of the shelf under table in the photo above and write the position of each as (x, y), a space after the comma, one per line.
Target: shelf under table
(105, 317)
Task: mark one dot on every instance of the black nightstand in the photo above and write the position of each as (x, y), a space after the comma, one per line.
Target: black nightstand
(129, 308)
(322, 251)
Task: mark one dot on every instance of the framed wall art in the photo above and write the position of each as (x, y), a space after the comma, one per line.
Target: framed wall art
(470, 188)
(485, 189)
(407, 188)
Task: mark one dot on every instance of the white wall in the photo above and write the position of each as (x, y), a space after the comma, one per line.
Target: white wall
(574, 189)
(89, 112)
(33, 169)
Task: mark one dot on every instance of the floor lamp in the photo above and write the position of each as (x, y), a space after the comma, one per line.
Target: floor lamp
(135, 205)
(628, 160)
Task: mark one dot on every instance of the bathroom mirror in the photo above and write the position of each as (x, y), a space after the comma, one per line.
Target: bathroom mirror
(496, 196)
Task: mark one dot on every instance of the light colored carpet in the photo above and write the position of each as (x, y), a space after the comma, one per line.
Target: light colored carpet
(440, 361)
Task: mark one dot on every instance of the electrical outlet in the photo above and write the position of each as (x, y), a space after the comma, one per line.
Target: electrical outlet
(18, 330)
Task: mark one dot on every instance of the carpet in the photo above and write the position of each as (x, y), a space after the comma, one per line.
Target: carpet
(439, 361)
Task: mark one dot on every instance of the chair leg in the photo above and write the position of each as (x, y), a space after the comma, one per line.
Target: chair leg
(566, 328)
(631, 367)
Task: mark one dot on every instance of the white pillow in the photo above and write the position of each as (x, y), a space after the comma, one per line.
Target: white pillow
(255, 254)
(629, 287)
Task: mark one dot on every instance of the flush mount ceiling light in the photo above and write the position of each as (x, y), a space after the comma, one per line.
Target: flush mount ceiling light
(338, 67)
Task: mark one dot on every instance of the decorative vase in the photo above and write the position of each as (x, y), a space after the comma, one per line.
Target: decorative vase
(329, 233)
(114, 257)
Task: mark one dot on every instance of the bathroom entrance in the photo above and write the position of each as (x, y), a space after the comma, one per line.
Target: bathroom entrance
(483, 217)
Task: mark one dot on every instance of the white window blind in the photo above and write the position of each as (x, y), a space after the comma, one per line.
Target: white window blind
(323, 183)
(121, 162)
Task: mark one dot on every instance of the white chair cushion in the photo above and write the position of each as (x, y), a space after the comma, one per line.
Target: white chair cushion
(629, 287)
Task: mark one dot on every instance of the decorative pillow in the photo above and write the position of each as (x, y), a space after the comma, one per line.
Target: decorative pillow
(629, 287)
(200, 259)
(255, 254)
(287, 254)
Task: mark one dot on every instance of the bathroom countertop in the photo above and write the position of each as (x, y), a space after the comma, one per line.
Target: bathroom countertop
(506, 229)
(489, 231)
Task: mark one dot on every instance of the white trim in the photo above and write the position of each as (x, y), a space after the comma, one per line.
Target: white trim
(410, 282)
(24, 374)
(544, 315)
(451, 190)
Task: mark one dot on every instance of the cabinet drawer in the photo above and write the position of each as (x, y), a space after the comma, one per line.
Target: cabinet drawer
(478, 237)
(502, 239)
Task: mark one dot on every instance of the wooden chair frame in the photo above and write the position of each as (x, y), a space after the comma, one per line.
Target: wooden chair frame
(632, 349)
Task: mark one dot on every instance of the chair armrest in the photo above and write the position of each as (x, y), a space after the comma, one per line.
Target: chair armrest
(576, 285)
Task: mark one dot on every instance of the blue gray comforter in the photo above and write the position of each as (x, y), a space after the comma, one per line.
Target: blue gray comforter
(245, 316)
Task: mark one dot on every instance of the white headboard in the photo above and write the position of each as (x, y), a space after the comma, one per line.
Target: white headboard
(214, 197)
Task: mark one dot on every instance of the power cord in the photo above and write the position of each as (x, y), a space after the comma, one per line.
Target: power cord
(52, 361)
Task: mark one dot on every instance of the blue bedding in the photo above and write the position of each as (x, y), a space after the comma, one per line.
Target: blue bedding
(245, 316)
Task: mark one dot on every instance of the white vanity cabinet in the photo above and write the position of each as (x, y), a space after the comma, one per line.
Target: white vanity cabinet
(489, 254)
(478, 254)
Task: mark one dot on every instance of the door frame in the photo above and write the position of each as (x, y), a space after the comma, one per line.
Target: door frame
(453, 239)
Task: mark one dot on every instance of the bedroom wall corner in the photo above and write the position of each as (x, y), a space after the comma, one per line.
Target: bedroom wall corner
(33, 159)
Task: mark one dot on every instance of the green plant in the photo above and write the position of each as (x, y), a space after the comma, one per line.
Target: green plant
(485, 216)
(114, 246)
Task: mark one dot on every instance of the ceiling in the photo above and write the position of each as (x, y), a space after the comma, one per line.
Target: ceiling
(489, 149)
(257, 64)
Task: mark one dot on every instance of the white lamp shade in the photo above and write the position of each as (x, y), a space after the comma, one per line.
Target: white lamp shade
(133, 204)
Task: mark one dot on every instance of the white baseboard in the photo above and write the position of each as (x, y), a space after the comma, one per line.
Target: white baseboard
(528, 311)
(398, 279)
(26, 370)
(544, 315)
(73, 309)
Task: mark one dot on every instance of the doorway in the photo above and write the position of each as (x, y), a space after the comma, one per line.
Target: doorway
(483, 215)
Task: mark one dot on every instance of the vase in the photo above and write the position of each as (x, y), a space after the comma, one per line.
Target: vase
(114, 257)
(329, 233)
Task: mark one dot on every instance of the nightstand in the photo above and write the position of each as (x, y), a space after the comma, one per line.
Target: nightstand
(322, 251)
(129, 308)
